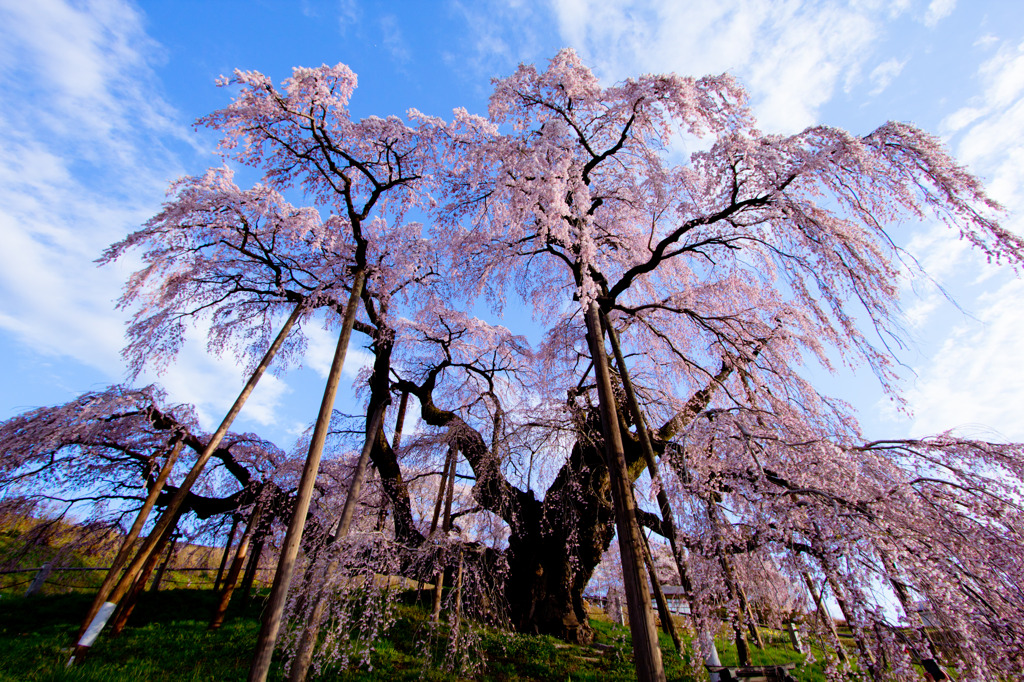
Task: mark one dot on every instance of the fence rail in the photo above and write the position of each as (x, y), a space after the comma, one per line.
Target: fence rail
(43, 575)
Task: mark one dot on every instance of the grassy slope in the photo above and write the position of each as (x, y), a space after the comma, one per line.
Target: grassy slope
(168, 640)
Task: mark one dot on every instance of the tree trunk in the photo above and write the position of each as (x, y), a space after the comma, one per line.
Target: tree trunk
(169, 516)
(646, 653)
(271, 623)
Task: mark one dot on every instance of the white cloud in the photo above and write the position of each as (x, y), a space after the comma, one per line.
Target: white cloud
(974, 383)
(82, 162)
(791, 55)
(320, 347)
(393, 39)
(885, 73)
(937, 11)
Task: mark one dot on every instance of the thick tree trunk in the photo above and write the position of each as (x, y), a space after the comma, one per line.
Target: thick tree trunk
(555, 546)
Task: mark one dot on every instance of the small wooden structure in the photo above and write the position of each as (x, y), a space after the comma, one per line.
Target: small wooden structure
(753, 673)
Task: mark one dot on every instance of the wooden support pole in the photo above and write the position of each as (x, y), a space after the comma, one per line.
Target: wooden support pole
(155, 587)
(127, 604)
(236, 565)
(307, 644)
(271, 622)
(125, 551)
(667, 517)
(667, 624)
(646, 652)
(826, 618)
(170, 515)
(235, 518)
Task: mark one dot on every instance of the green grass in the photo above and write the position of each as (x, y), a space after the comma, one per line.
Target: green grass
(167, 640)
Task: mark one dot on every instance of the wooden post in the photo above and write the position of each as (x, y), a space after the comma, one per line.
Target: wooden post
(304, 653)
(794, 637)
(235, 518)
(127, 604)
(826, 618)
(667, 517)
(446, 525)
(37, 582)
(155, 587)
(236, 565)
(930, 662)
(646, 652)
(170, 515)
(133, 534)
(667, 624)
(748, 613)
(271, 622)
(252, 564)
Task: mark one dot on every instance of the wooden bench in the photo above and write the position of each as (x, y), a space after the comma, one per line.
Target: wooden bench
(753, 673)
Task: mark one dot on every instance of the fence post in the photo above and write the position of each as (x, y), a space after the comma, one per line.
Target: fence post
(794, 638)
(37, 582)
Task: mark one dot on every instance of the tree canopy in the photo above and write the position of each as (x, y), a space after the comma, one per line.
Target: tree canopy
(718, 277)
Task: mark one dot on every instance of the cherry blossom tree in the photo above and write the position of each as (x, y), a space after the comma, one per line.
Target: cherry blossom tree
(581, 199)
(716, 277)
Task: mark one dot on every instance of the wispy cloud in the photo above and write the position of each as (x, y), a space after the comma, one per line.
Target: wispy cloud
(82, 161)
(885, 73)
(971, 380)
(393, 39)
(937, 11)
(790, 55)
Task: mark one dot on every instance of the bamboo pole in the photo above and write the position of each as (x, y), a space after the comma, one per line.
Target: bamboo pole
(271, 623)
(169, 515)
(646, 652)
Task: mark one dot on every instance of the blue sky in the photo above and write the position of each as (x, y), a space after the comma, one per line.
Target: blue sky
(100, 96)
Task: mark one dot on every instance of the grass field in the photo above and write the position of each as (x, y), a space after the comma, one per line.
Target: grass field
(167, 639)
